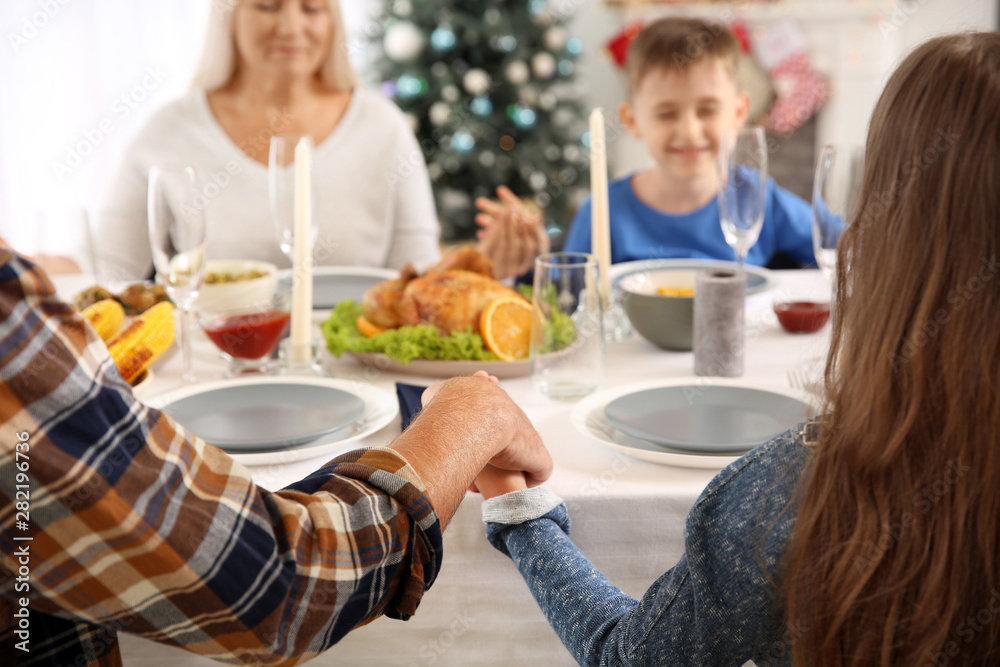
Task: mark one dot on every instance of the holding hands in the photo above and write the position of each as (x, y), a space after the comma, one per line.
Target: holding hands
(513, 233)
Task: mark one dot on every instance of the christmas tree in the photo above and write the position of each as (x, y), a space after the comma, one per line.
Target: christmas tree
(493, 99)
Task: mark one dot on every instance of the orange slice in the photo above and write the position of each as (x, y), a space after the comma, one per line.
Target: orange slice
(505, 325)
(367, 328)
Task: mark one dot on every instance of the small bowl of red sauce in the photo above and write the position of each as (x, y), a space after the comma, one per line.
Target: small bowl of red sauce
(247, 337)
(802, 316)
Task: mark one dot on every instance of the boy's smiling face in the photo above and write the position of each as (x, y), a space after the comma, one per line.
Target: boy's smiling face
(681, 115)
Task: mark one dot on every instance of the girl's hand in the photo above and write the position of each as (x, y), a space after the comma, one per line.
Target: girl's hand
(493, 482)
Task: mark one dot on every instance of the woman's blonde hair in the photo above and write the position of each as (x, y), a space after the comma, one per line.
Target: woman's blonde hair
(895, 558)
(218, 57)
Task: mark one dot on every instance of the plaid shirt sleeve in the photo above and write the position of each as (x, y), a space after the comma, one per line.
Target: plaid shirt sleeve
(138, 527)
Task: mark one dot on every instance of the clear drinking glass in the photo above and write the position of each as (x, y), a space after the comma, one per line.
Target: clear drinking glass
(567, 332)
(281, 189)
(177, 241)
(836, 187)
(742, 187)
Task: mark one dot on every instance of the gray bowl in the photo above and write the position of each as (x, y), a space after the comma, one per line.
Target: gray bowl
(665, 321)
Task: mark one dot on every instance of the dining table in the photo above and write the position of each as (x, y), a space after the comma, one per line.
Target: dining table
(628, 514)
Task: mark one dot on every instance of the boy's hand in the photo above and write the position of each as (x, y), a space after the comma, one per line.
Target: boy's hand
(493, 482)
(511, 235)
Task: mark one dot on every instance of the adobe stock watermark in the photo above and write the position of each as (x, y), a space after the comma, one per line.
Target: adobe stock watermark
(892, 21)
(121, 109)
(30, 25)
(958, 297)
(923, 501)
(434, 649)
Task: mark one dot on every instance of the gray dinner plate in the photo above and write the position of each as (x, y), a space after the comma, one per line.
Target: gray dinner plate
(705, 419)
(331, 285)
(266, 417)
(758, 278)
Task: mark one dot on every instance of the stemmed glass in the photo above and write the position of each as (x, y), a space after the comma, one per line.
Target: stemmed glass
(177, 241)
(836, 187)
(742, 188)
(281, 189)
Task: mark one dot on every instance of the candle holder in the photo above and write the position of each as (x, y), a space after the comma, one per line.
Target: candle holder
(289, 356)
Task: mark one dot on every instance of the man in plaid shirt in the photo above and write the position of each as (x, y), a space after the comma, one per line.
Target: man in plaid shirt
(136, 526)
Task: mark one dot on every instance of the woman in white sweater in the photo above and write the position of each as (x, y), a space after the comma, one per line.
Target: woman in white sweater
(271, 67)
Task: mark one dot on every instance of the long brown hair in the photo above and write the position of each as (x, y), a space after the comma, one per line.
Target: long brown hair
(896, 551)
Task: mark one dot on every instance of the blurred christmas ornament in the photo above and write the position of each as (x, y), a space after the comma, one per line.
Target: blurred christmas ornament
(507, 142)
(452, 164)
(574, 46)
(481, 106)
(552, 153)
(528, 95)
(543, 64)
(492, 16)
(565, 67)
(537, 181)
(403, 42)
(618, 45)
(413, 121)
(555, 38)
(402, 7)
(450, 93)
(462, 142)
(487, 159)
(388, 89)
(443, 39)
(572, 153)
(523, 117)
(538, 6)
(517, 72)
(563, 116)
(439, 113)
(504, 43)
(476, 81)
(409, 87)
(548, 100)
(435, 171)
(439, 69)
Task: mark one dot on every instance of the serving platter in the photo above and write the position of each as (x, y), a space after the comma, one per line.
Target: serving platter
(436, 368)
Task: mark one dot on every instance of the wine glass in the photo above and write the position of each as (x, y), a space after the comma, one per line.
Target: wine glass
(836, 187)
(177, 241)
(281, 189)
(742, 188)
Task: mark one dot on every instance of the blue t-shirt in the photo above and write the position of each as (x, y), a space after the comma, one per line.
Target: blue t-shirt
(639, 231)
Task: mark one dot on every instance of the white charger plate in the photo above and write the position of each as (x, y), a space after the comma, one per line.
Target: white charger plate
(332, 284)
(588, 418)
(758, 278)
(380, 408)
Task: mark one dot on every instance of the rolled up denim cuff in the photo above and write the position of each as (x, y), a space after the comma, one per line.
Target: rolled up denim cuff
(520, 506)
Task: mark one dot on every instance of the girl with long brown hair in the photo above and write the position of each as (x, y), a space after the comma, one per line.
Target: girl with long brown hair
(870, 536)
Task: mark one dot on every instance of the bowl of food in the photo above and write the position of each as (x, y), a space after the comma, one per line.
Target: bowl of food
(232, 284)
(660, 306)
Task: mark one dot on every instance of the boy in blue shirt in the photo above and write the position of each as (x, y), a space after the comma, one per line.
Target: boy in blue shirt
(683, 95)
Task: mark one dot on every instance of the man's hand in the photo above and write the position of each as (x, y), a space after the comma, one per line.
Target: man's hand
(512, 235)
(493, 482)
(465, 424)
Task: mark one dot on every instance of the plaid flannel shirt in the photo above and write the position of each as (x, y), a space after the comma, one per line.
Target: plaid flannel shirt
(139, 527)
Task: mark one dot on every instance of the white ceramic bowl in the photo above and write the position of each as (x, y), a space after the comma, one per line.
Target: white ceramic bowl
(239, 293)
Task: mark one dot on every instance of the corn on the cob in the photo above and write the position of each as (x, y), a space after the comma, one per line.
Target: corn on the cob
(106, 317)
(149, 336)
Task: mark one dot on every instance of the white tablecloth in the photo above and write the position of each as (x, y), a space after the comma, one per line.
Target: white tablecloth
(628, 515)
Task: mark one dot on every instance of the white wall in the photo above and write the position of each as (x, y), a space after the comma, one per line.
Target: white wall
(856, 43)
